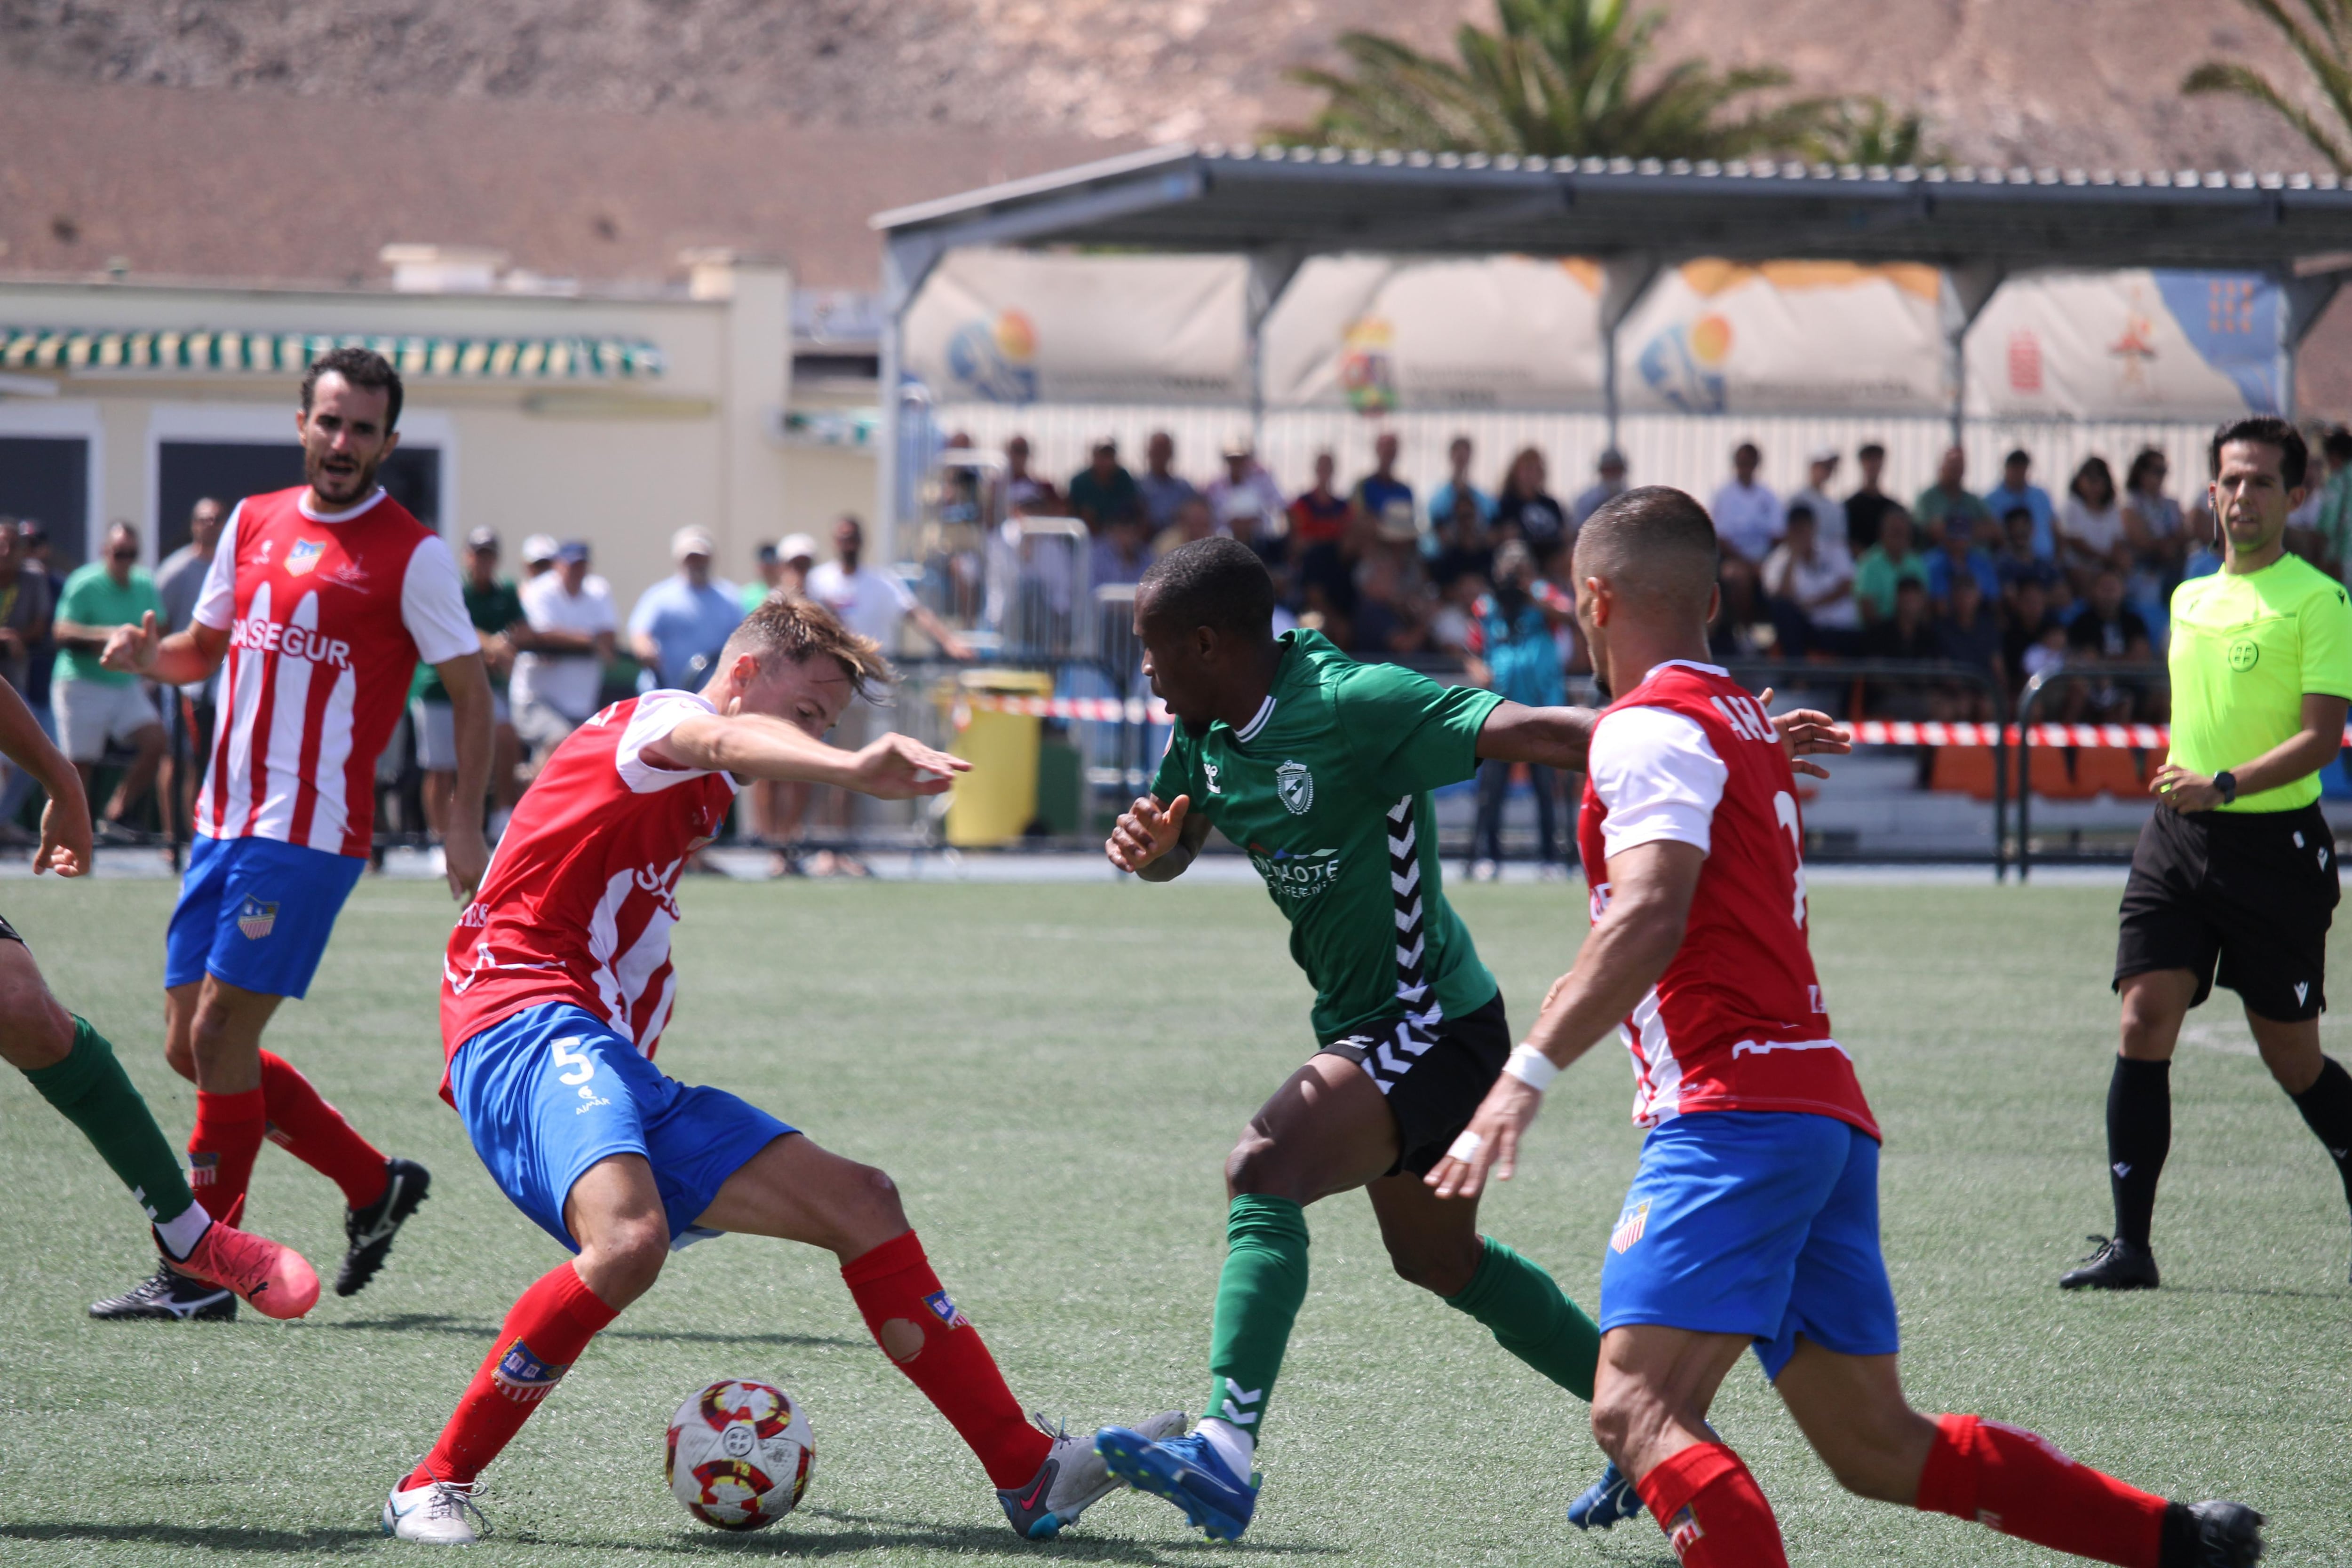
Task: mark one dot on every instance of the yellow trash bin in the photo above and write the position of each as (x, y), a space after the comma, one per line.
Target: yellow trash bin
(996, 801)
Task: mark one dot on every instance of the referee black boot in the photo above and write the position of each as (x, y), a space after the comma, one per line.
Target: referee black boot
(2115, 1265)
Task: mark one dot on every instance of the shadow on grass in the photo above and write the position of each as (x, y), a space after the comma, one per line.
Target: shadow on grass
(211, 1538)
(875, 1533)
(2293, 1292)
(441, 1323)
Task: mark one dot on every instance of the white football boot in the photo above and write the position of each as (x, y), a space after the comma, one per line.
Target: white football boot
(1072, 1479)
(436, 1512)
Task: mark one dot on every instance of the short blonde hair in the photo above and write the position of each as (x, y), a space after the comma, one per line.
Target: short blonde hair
(801, 629)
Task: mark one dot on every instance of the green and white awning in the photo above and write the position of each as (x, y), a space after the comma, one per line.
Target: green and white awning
(221, 352)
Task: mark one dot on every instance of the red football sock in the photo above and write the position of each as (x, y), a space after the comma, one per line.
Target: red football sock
(306, 1127)
(1713, 1512)
(920, 1328)
(2014, 1482)
(227, 1136)
(545, 1332)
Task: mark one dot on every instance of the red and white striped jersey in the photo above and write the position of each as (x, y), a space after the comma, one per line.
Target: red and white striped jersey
(1737, 1021)
(328, 614)
(581, 892)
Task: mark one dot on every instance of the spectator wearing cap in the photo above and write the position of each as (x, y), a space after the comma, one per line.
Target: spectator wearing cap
(783, 571)
(559, 678)
(1025, 492)
(1446, 499)
(1244, 499)
(1948, 503)
(539, 552)
(1829, 513)
(1104, 492)
(495, 606)
(187, 710)
(1748, 518)
(678, 624)
(1607, 487)
(1868, 506)
(1528, 511)
(2016, 490)
(1381, 502)
(1161, 488)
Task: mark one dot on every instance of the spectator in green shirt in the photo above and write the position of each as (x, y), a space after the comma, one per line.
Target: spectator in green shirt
(1892, 561)
(1103, 492)
(495, 608)
(783, 569)
(1947, 504)
(97, 705)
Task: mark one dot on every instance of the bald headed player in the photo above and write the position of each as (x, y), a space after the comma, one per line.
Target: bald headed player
(1753, 1218)
(1321, 767)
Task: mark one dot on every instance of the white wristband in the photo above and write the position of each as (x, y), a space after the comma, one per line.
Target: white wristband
(1531, 1067)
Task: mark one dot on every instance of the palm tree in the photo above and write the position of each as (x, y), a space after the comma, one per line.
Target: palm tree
(1869, 131)
(2324, 45)
(1557, 80)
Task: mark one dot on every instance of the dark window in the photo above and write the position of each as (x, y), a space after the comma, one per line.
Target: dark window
(46, 477)
(188, 471)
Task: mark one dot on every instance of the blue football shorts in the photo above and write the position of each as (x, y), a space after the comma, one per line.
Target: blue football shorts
(548, 1093)
(256, 913)
(1757, 1223)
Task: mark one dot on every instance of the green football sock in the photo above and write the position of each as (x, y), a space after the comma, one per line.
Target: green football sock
(1532, 1318)
(1258, 1296)
(90, 1090)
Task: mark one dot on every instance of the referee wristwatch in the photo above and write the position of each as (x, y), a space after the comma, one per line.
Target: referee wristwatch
(2226, 782)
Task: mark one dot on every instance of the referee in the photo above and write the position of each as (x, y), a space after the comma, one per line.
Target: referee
(2236, 864)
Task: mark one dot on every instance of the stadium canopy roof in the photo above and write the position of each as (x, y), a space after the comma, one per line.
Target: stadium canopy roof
(1279, 206)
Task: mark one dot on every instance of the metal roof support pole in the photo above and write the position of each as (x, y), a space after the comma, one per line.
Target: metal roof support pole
(1967, 290)
(1270, 274)
(907, 264)
(1624, 280)
(2302, 302)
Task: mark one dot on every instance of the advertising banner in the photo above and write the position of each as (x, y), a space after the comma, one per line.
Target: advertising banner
(2109, 345)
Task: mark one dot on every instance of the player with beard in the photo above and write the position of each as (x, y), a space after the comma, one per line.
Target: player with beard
(1752, 1222)
(320, 601)
(1320, 768)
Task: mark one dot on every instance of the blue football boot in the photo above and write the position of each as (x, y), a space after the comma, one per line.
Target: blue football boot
(1188, 1472)
(1605, 1501)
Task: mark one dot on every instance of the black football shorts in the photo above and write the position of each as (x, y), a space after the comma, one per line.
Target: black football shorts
(2249, 893)
(1433, 1079)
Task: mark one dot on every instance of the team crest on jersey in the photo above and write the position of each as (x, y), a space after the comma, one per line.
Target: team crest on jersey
(1295, 785)
(256, 919)
(1630, 1226)
(303, 558)
(944, 1307)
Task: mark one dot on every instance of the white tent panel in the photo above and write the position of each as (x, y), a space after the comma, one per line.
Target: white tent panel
(2106, 345)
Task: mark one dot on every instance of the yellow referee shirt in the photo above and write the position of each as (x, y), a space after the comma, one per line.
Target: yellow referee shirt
(2246, 648)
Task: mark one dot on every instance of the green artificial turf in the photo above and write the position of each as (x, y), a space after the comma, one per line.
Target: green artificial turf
(1053, 1075)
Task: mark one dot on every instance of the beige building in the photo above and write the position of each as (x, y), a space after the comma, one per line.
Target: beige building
(532, 406)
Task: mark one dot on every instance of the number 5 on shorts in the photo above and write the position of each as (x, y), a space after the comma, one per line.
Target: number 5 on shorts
(584, 1067)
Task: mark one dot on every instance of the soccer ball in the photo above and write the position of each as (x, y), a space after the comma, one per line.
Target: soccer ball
(740, 1453)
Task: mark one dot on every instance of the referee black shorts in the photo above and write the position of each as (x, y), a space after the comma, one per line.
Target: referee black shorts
(2253, 892)
(1433, 1080)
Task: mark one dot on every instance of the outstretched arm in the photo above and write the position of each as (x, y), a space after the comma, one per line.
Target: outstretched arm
(754, 746)
(1650, 891)
(1560, 737)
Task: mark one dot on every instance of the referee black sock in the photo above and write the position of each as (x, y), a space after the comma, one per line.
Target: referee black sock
(2140, 1135)
(2327, 1108)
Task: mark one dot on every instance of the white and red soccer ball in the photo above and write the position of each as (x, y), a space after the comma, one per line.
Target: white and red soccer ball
(740, 1454)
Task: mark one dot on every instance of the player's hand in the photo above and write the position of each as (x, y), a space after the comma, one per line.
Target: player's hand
(65, 836)
(898, 768)
(1145, 831)
(2182, 791)
(1806, 731)
(131, 649)
(1491, 1142)
(465, 856)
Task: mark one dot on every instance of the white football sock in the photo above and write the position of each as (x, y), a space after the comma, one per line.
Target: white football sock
(180, 1236)
(1233, 1446)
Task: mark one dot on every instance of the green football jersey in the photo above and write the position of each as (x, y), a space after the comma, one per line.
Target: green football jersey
(1326, 788)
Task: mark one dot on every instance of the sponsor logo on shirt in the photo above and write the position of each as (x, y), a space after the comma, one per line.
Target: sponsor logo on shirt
(348, 574)
(2244, 655)
(1296, 877)
(303, 558)
(1296, 784)
(256, 919)
(944, 1308)
(289, 642)
(523, 1377)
